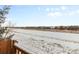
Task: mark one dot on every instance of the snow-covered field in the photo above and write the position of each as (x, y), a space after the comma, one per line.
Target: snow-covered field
(45, 42)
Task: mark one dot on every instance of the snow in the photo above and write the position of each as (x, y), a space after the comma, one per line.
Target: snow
(46, 42)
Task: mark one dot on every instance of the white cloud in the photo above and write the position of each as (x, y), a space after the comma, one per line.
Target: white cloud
(51, 14)
(77, 11)
(55, 14)
(58, 14)
(48, 9)
(71, 13)
(65, 14)
(57, 9)
(52, 9)
(63, 7)
(39, 8)
(61, 14)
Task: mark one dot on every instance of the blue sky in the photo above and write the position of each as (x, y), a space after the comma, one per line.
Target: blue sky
(44, 15)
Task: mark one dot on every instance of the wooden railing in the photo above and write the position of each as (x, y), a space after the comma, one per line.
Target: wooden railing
(18, 50)
(8, 46)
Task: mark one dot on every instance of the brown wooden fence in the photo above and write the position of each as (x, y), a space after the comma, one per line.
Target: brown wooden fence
(7, 46)
(18, 50)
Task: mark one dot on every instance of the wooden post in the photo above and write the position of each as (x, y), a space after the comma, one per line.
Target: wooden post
(6, 46)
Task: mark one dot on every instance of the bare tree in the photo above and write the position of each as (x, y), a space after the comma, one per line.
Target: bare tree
(4, 30)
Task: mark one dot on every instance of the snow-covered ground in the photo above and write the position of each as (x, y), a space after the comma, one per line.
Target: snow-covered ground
(45, 42)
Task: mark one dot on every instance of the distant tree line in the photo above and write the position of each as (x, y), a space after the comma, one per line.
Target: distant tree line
(41, 27)
(52, 28)
(67, 27)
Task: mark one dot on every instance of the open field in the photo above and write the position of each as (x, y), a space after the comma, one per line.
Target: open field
(46, 42)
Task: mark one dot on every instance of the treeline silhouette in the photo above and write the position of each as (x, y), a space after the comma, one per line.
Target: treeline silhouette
(51, 27)
(67, 27)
